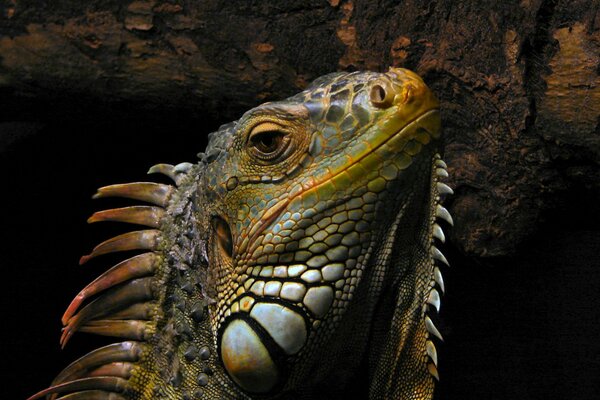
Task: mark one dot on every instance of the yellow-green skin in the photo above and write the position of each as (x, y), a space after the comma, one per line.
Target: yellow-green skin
(306, 271)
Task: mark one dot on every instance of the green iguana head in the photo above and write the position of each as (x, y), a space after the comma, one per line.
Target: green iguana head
(295, 257)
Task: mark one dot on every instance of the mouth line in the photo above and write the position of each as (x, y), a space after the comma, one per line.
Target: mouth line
(277, 209)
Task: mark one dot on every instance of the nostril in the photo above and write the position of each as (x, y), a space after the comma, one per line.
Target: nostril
(377, 93)
(223, 234)
(380, 97)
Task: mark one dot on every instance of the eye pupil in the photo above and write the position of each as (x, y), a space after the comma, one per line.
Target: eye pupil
(268, 139)
(267, 142)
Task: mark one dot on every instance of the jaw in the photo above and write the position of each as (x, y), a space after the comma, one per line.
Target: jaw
(395, 141)
(353, 332)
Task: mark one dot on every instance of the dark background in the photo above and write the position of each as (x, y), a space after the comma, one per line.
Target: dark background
(523, 327)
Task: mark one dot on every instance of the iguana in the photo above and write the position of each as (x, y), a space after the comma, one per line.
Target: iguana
(295, 260)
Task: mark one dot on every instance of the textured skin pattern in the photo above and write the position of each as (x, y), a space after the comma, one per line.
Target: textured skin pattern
(295, 260)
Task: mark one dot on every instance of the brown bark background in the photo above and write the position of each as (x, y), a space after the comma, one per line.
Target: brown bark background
(518, 81)
(93, 92)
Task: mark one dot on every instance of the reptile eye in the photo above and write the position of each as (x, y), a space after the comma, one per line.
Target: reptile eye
(268, 141)
(223, 233)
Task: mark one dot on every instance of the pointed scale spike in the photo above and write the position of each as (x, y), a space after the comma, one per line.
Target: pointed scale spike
(135, 291)
(432, 329)
(139, 311)
(126, 329)
(437, 255)
(437, 276)
(433, 371)
(155, 193)
(183, 167)
(117, 352)
(440, 163)
(92, 395)
(138, 240)
(165, 169)
(135, 267)
(141, 215)
(434, 299)
(438, 233)
(442, 188)
(441, 172)
(442, 213)
(106, 383)
(118, 369)
(431, 352)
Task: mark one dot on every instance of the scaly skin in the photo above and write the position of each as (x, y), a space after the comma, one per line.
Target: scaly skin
(296, 260)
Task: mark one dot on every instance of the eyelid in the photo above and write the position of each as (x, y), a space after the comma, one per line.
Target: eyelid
(265, 126)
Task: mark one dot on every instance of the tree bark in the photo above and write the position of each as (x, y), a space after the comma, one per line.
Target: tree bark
(518, 81)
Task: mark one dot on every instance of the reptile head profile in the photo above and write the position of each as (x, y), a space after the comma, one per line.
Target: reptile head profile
(307, 178)
(296, 257)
